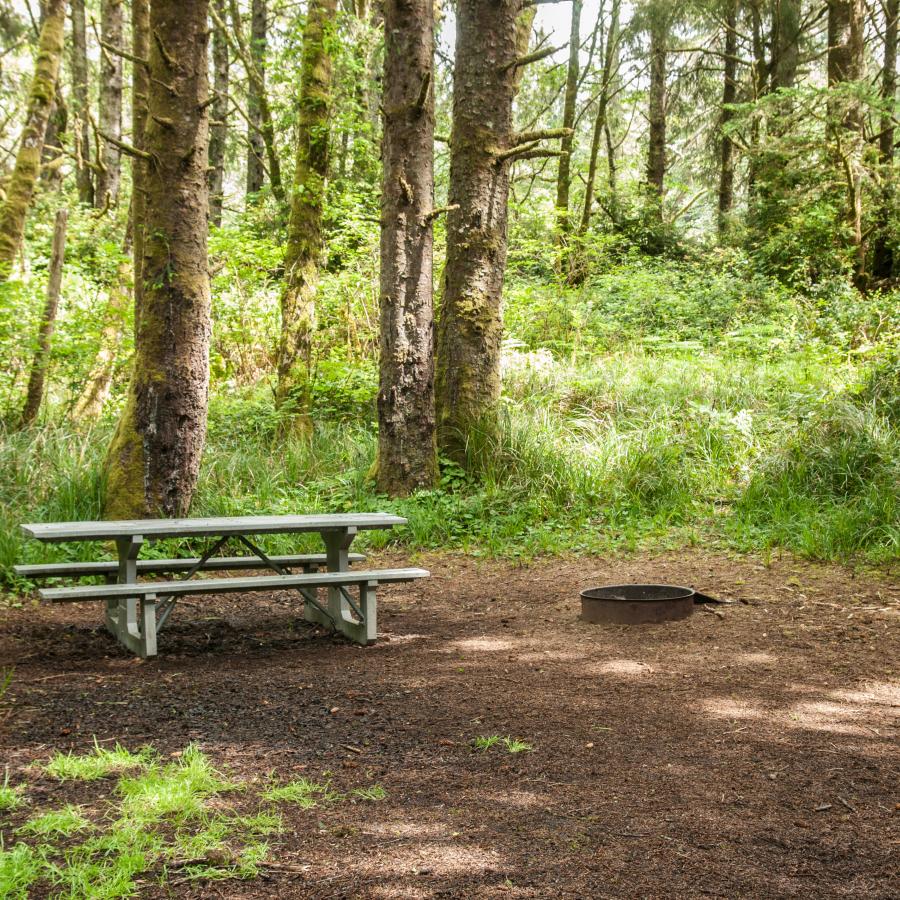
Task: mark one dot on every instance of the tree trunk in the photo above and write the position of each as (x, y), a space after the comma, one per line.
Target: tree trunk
(490, 38)
(218, 130)
(656, 113)
(563, 181)
(80, 106)
(407, 443)
(109, 165)
(883, 250)
(140, 85)
(35, 392)
(786, 26)
(846, 63)
(610, 52)
(256, 150)
(28, 159)
(52, 155)
(154, 458)
(89, 406)
(726, 146)
(304, 239)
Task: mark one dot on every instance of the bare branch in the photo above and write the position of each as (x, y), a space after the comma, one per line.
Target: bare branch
(534, 57)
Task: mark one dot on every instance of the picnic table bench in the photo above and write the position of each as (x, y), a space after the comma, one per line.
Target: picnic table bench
(137, 610)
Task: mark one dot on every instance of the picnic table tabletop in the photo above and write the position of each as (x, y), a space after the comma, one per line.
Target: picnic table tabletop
(57, 532)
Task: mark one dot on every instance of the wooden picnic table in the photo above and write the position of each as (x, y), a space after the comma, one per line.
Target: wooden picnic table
(135, 616)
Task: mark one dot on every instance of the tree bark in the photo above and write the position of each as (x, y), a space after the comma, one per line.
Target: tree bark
(218, 129)
(656, 113)
(80, 105)
(109, 166)
(407, 442)
(491, 36)
(140, 86)
(304, 240)
(726, 144)
(256, 151)
(35, 391)
(610, 51)
(846, 63)
(154, 459)
(785, 41)
(28, 159)
(883, 250)
(89, 406)
(563, 180)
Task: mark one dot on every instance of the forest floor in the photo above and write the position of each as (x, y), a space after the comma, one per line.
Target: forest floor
(747, 751)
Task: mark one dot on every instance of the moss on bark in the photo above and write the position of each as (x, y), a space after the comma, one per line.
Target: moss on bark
(28, 159)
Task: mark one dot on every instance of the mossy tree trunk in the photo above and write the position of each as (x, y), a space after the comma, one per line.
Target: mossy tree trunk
(218, 129)
(140, 84)
(726, 144)
(154, 459)
(28, 159)
(39, 366)
(491, 37)
(78, 64)
(256, 150)
(304, 239)
(656, 112)
(407, 444)
(109, 166)
(564, 176)
(883, 250)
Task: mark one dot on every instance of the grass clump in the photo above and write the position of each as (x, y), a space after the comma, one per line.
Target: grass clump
(10, 795)
(374, 793)
(20, 868)
(99, 763)
(302, 792)
(510, 744)
(486, 742)
(56, 823)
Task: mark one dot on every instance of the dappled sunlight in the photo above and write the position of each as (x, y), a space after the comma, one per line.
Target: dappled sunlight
(754, 659)
(551, 655)
(480, 645)
(518, 799)
(441, 859)
(408, 829)
(729, 708)
(630, 668)
(882, 693)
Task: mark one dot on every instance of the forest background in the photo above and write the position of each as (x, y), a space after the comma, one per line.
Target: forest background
(700, 319)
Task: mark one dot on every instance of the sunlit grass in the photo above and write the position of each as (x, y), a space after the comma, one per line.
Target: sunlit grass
(99, 763)
(11, 796)
(301, 792)
(56, 823)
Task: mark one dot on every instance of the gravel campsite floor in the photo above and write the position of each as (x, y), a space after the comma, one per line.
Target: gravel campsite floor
(750, 750)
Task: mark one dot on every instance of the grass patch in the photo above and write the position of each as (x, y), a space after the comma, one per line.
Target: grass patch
(484, 743)
(10, 795)
(99, 763)
(301, 792)
(164, 820)
(56, 823)
(510, 744)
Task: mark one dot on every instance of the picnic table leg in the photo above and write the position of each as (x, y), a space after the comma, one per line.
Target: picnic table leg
(337, 548)
(132, 621)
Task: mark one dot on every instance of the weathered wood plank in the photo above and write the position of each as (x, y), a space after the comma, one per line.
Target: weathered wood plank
(152, 566)
(230, 585)
(58, 532)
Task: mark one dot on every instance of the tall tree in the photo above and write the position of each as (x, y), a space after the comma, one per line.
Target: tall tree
(883, 250)
(729, 95)
(304, 239)
(78, 63)
(407, 443)
(564, 176)
(846, 64)
(658, 28)
(256, 170)
(154, 458)
(41, 362)
(218, 129)
(140, 87)
(601, 119)
(491, 47)
(31, 144)
(109, 164)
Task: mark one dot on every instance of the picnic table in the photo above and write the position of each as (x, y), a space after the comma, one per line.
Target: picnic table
(137, 610)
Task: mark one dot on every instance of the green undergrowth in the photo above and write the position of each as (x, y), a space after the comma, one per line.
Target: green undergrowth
(635, 449)
(158, 821)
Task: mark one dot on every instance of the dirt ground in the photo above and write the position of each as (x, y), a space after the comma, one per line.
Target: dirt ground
(749, 752)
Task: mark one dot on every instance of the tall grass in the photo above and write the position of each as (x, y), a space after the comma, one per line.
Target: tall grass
(627, 450)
